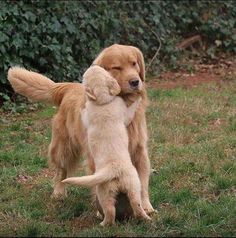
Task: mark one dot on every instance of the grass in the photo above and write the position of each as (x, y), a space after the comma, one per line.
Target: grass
(192, 146)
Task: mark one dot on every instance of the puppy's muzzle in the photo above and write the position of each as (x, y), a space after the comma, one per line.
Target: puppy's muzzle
(134, 83)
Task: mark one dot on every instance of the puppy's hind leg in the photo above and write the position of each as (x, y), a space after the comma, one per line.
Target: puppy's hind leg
(106, 199)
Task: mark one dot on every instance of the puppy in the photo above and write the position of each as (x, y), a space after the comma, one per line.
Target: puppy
(106, 116)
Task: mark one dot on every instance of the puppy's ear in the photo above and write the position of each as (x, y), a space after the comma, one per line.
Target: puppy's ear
(141, 63)
(90, 94)
(114, 88)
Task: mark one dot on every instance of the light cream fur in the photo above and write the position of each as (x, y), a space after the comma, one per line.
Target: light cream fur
(68, 141)
(105, 117)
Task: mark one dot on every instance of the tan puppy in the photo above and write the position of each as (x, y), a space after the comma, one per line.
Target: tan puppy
(106, 116)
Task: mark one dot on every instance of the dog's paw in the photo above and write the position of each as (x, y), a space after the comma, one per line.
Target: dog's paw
(58, 195)
(147, 218)
(107, 223)
(102, 223)
(99, 215)
(150, 211)
(148, 208)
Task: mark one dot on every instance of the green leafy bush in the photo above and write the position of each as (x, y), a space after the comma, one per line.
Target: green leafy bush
(61, 38)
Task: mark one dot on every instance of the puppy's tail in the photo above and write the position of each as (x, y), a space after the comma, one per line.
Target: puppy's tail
(104, 175)
(37, 87)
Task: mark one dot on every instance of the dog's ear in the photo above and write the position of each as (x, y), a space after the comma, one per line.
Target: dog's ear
(90, 94)
(141, 63)
(99, 60)
(114, 88)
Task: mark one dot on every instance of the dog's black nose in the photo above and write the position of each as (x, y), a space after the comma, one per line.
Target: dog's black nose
(134, 83)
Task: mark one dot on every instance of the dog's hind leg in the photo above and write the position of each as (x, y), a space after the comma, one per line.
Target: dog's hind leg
(65, 162)
(59, 188)
(65, 167)
(63, 157)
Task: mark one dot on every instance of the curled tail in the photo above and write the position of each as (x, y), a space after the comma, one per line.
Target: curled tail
(102, 176)
(37, 87)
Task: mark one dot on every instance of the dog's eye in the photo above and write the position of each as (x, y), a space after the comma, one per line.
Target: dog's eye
(116, 68)
(134, 63)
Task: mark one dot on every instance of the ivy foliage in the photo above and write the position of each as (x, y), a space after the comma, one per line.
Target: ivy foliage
(61, 38)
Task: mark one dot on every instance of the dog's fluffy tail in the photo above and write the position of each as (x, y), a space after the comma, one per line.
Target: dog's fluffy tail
(37, 87)
(102, 176)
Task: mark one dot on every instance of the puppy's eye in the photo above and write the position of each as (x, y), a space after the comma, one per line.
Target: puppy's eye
(134, 63)
(116, 68)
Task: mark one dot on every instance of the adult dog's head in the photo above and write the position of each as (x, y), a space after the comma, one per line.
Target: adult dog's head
(126, 65)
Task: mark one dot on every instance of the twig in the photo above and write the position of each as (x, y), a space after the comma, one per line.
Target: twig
(157, 52)
(189, 41)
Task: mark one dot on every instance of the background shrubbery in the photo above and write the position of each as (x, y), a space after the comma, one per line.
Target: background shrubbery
(61, 38)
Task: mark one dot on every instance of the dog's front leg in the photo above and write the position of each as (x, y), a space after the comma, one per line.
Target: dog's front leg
(143, 168)
(130, 112)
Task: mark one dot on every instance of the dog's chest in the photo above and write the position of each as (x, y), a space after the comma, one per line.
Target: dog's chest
(137, 133)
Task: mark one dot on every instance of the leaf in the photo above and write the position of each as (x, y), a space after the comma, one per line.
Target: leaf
(30, 16)
(3, 37)
(218, 43)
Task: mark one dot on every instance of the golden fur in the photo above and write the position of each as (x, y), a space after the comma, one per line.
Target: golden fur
(124, 63)
(105, 117)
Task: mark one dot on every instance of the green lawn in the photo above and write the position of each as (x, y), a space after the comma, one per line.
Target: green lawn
(192, 145)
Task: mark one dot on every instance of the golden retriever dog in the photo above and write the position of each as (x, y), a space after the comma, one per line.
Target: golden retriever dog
(68, 143)
(105, 117)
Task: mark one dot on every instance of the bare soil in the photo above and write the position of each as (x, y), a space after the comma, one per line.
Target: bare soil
(219, 71)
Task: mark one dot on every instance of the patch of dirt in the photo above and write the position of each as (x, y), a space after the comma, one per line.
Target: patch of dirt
(46, 173)
(222, 70)
(41, 124)
(30, 181)
(83, 222)
(23, 179)
(49, 172)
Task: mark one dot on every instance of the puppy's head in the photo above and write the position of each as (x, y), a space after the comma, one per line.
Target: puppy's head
(126, 65)
(100, 86)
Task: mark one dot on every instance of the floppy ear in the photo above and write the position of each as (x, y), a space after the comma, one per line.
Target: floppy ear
(140, 62)
(114, 88)
(99, 60)
(90, 94)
